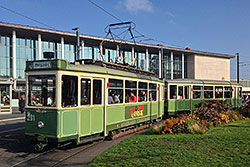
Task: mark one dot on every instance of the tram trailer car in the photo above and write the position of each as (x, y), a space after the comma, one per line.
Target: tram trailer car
(182, 95)
(83, 101)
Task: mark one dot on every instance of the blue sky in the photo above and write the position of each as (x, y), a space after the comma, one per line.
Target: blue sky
(215, 26)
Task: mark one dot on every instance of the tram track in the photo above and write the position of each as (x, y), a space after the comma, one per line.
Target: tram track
(55, 156)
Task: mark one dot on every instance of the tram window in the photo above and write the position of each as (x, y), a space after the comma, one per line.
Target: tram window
(115, 91)
(197, 92)
(240, 92)
(85, 91)
(208, 92)
(152, 92)
(130, 91)
(97, 92)
(42, 90)
(173, 91)
(186, 92)
(69, 91)
(143, 89)
(180, 92)
(227, 92)
(218, 92)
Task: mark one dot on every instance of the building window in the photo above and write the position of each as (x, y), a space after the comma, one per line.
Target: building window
(154, 63)
(25, 49)
(141, 60)
(110, 55)
(69, 52)
(5, 57)
(177, 67)
(87, 52)
(167, 67)
(97, 55)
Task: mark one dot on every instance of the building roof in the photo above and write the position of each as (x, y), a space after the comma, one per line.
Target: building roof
(28, 30)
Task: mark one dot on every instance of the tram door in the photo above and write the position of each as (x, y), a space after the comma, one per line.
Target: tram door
(92, 92)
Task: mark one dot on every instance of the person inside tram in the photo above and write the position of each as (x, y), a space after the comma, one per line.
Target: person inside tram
(143, 96)
(111, 98)
(117, 98)
(217, 95)
(49, 101)
(132, 97)
(151, 97)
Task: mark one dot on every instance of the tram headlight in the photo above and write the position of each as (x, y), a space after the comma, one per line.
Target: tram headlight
(40, 124)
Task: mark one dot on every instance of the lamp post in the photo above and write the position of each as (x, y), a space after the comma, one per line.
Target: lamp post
(238, 67)
(77, 55)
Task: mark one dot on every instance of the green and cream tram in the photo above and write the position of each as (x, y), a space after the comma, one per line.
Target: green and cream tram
(184, 95)
(79, 101)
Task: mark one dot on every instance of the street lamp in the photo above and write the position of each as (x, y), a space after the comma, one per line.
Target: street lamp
(77, 55)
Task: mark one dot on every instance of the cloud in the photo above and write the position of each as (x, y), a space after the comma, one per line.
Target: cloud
(172, 22)
(134, 6)
(170, 14)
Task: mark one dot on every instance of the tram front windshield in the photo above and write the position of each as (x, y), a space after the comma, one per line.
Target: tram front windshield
(42, 90)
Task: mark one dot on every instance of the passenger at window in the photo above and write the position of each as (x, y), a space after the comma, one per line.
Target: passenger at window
(49, 101)
(132, 98)
(111, 98)
(117, 98)
(217, 95)
(143, 96)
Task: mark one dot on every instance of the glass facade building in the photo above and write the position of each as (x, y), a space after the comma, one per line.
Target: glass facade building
(27, 48)
(5, 57)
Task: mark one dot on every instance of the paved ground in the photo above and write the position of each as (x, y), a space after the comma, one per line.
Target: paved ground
(16, 150)
(15, 114)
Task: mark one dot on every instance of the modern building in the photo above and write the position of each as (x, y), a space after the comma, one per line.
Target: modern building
(19, 43)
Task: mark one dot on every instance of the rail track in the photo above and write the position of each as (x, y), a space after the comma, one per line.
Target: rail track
(55, 156)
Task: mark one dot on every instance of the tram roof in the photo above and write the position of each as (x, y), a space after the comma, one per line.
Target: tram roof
(90, 66)
(199, 81)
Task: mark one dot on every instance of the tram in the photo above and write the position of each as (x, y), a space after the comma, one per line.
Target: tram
(87, 100)
(183, 95)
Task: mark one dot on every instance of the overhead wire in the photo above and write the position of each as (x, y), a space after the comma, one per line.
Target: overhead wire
(27, 17)
(141, 35)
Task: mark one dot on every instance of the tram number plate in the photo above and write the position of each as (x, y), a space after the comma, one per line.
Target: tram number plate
(136, 111)
(30, 117)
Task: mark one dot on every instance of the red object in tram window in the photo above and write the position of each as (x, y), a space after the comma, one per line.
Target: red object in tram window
(107, 85)
(187, 48)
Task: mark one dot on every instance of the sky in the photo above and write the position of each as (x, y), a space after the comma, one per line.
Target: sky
(209, 25)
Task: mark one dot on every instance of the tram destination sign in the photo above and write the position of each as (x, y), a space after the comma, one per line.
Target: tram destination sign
(136, 111)
(42, 65)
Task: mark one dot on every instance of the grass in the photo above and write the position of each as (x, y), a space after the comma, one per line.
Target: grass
(226, 145)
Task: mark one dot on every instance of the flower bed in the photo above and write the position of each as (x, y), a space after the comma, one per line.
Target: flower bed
(206, 116)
